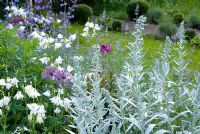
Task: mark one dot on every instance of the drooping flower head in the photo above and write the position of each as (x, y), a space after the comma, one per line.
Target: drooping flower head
(105, 48)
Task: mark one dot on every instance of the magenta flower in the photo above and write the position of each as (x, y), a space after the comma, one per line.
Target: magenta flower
(105, 48)
(17, 20)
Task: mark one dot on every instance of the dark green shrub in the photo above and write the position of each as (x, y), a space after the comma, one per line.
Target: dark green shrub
(2, 11)
(154, 15)
(190, 34)
(130, 10)
(116, 26)
(195, 41)
(81, 13)
(194, 21)
(178, 18)
(167, 29)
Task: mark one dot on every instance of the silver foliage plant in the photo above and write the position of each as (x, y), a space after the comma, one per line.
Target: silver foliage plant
(158, 101)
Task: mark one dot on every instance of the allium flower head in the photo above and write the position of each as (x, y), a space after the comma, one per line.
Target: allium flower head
(48, 73)
(59, 75)
(63, 77)
(104, 48)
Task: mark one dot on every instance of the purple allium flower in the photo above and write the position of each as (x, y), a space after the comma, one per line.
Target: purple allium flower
(104, 48)
(63, 77)
(48, 73)
(60, 76)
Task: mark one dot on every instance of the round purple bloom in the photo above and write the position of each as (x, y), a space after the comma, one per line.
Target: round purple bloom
(48, 73)
(104, 48)
(63, 77)
(60, 76)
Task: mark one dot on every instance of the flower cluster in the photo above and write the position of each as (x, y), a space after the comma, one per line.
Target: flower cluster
(3, 103)
(65, 103)
(16, 12)
(38, 111)
(59, 75)
(93, 27)
(9, 82)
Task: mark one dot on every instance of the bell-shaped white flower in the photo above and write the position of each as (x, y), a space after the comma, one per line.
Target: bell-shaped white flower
(19, 96)
(31, 92)
(47, 93)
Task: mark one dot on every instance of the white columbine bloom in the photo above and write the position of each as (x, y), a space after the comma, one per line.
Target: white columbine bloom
(69, 68)
(44, 60)
(66, 103)
(97, 27)
(10, 26)
(31, 92)
(58, 45)
(4, 101)
(2, 82)
(37, 110)
(47, 93)
(19, 96)
(57, 110)
(58, 61)
(72, 37)
(8, 86)
(57, 101)
(60, 36)
(1, 113)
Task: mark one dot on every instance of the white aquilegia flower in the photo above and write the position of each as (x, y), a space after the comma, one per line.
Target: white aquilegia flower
(89, 24)
(19, 96)
(44, 60)
(57, 45)
(69, 68)
(58, 21)
(39, 119)
(2, 82)
(51, 40)
(97, 27)
(57, 101)
(1, 113)
(14, 82)
(60, 36)
(22, 28)
(58, 61)
(72, 37)
(57, 110)
(47, 93)
(9, 26)
(35, 35)
(8, 86)
(38, 111)
(31, 92)
(4, 101)
(66, 103)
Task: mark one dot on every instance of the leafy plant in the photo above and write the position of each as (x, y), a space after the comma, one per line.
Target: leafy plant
(167, 29)
(154, 15)
(81, 13)
(117, 26)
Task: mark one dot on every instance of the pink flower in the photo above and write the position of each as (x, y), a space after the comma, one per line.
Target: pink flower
(105, 48)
